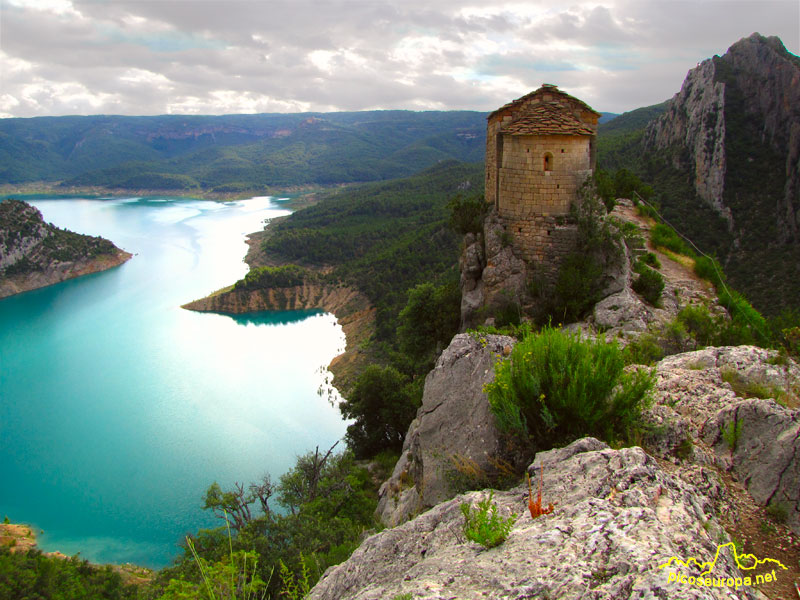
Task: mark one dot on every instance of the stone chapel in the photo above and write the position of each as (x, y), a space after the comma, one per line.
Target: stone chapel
(539, 150)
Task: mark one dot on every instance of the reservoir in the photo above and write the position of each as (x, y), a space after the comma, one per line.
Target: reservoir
(118, 408)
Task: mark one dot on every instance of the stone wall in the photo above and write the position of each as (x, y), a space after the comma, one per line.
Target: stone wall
(533, 202)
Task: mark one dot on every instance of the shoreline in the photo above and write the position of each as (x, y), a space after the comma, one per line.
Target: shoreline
(295, 193)
(350, 307)
(19, 284)
(22, 538)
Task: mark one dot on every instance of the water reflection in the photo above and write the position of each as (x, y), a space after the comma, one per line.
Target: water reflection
(272, 317)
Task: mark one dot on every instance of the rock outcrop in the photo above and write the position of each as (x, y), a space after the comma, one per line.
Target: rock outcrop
(757, 439)
(36, 254)
(767, 78)
(693, 406)
(493, 275)
(733, 135)
(454, 430)
(619, 524)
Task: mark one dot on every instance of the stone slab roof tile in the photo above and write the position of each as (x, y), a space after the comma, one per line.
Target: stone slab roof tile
(547, 118)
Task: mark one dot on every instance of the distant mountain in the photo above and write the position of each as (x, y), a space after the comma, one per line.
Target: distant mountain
(605, 117)
(235, 152)
(724, 156)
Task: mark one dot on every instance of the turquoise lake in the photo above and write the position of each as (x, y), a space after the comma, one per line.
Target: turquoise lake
(118, 408)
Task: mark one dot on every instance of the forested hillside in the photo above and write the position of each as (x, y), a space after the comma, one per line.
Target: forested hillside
(234, 153)
(383, 238)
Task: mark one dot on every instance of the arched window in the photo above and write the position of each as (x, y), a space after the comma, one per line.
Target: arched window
(548, 162)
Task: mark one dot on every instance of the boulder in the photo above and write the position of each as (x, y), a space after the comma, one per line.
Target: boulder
(619, 524)
(695, 402)
(453, 434)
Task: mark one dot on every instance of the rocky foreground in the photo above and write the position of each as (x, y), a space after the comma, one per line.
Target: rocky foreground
(619, 514)
(35, 254)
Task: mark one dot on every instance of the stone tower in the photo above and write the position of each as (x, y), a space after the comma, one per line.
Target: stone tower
(539, 150)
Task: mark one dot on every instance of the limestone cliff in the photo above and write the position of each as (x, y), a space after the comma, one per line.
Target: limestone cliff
(758, 79)
(35, 254)
(351, 308)
(733, 133)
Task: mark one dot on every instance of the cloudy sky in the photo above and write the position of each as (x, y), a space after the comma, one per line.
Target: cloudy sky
(144, 57)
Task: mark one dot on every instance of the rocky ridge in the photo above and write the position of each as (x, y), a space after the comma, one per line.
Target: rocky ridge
(713, 478)
(768, 78)
(620, 523)
(35, 254)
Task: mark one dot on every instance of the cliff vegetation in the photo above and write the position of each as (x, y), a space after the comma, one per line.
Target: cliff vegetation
(34, 253)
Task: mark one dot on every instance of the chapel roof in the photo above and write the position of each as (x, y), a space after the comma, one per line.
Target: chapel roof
(537, 116)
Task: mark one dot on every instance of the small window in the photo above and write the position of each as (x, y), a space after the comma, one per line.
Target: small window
(548, 162)
(562, 151)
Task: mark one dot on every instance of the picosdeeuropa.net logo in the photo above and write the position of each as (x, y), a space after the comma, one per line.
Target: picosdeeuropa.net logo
(755, 571)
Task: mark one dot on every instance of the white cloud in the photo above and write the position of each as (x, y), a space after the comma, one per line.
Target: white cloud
(220, 56)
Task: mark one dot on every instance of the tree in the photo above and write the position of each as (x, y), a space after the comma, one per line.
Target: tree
(382, 407)
(429, 320)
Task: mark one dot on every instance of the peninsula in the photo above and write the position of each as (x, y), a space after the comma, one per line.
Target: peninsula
(35, 254)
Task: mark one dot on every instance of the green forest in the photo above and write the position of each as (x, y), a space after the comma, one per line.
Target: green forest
(234, 153)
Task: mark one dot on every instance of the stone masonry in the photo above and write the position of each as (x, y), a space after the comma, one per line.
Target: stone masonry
(539, 150)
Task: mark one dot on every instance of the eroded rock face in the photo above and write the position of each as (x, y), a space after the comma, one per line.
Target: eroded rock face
(695, 402)
(492, 274)
(695, 119)
(453, 424)
(618, 517)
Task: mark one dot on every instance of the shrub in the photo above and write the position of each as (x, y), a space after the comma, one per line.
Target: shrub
(699, 324)
(710, 270)
(645, 350)
(649, 283)
(666, 237)
(645, 210)
(467, 214)
(651, 260)
(484, 525)
(557, 387)
(576, 288)
(747, 326)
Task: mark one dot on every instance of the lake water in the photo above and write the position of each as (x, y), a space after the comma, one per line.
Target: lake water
(118, 408)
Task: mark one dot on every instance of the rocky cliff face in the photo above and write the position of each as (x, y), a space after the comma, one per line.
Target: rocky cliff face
(695, 121)
(764, 80)
(619, 514)
(619, 520)
(35, 254)
(733, 132)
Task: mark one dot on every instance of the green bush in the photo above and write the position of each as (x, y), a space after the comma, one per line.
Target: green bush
(666, 237)
(556, 387)
(577, 288)
(699, 324)
(383, 408)
(710, 270)
(467, 214)
(651, 260)
(484, 525)
(649, 283)
(644, 350)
